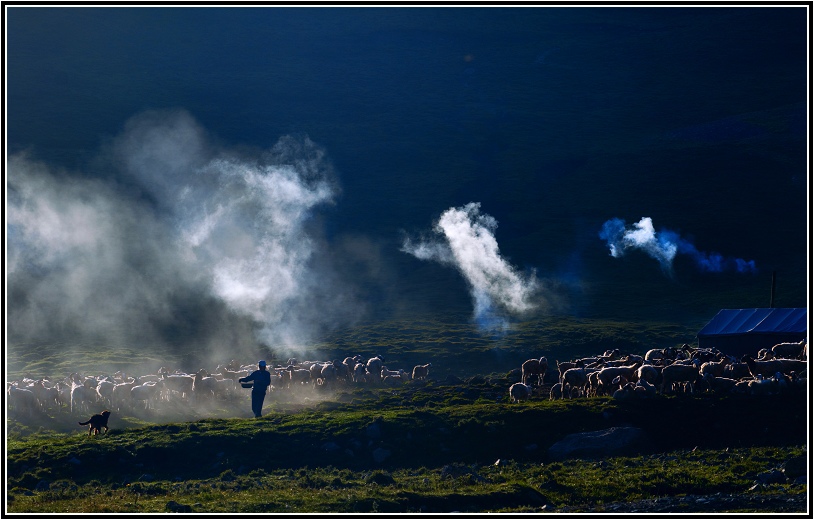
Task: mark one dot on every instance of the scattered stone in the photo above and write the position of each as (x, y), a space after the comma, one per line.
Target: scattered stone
(622, 440)
(42, 485)
(74, 460)
(330, 446)
(774, 476)
(380, 478)
(795, 467)
(174, 507)
(380, 455)
(374, 430)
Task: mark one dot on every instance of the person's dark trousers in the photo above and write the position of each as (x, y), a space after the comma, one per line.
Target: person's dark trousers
(257, 402)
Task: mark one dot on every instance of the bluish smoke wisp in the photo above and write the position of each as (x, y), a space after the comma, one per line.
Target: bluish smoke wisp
(664, 245)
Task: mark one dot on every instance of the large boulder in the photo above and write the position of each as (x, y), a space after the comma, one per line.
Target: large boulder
(622, 440)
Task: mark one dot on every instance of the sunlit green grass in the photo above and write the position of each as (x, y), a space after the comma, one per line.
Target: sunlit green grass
(512, 486)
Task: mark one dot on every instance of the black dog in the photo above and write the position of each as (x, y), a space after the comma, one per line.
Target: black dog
(97, 422)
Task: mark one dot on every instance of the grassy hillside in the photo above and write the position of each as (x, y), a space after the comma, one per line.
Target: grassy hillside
(452, 443)
(431, 447)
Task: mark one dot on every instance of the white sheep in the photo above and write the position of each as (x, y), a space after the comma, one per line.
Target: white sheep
(121, 393)
(203, 385)
(788, 350)
(606, 376)
(648, 373)
(374, 368)
(299, 376)
(714, 368)
(644, 388)
(148, 393)
(534, 367)
(105, 392)
(82, 397)
(328, 375)
(719, 384)
(180, 384)
(387, 372)
(394, 379)
(679, 373)
(574, 378)
(519, 392)
(556, 392)
(22, 400)
(769, 368)
(359, 374)
(420, 372)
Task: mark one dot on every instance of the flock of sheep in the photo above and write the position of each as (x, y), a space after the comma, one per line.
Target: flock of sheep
(660, 371)
(783, 368)
(116, 392)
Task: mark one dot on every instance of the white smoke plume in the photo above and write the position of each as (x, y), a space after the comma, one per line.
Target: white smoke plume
(198, 245)
(467, 242)
(664, 245)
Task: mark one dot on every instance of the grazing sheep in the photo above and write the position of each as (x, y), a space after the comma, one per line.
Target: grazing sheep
(359, 374)
(204, 386)
(715, 368)
(719, 384)
(394, 379)
(420, 372)
(387, 372)
(82, 397)
(121, 393)
(225, 388)
(574, 378)
(608, 374)
(568, 365)
(148, 393)
(644, 388)
(299, 376)
(180, 384)
(534, 367)
(736, 371)
(105, 392)
(654, 354)
(22, 400)
(768, 368)
(327, 375)
(625, 391)
(519, 392)
(761, 386)
(556, 392)
(374, 368)
(678, 373)
(788, 350)
(648, 373)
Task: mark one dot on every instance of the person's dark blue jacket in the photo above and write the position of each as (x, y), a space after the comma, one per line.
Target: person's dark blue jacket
(261, 378)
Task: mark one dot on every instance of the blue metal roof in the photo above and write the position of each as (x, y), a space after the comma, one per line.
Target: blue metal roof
(756, 321)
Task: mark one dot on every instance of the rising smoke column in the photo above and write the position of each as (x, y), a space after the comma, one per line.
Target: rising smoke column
(467, 242)
(664, 246)
(190, 238)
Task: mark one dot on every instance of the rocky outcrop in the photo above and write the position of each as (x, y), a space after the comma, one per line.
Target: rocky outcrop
(599, 444)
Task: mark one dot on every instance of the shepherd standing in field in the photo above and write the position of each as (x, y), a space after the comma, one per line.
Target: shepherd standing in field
(262, 380)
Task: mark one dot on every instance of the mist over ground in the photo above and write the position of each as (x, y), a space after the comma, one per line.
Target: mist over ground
(199, 246)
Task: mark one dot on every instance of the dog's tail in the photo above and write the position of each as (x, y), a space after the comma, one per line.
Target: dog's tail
(84, 423)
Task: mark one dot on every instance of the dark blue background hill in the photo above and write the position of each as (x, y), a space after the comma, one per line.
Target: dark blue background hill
(554, 119)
